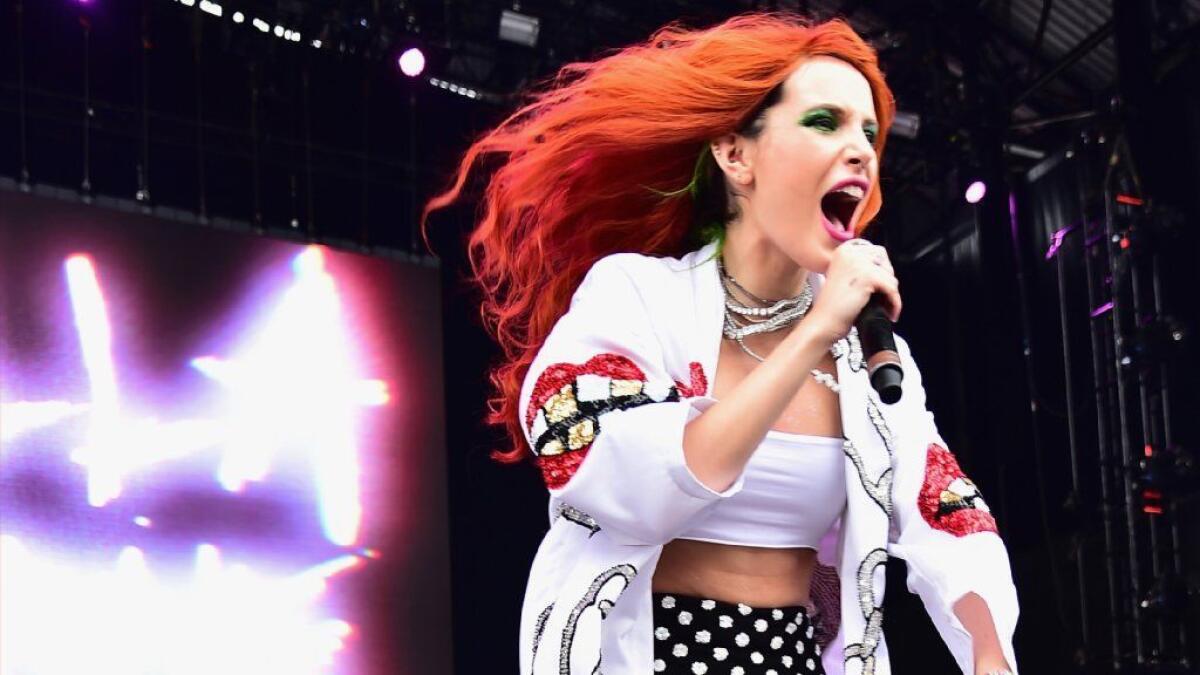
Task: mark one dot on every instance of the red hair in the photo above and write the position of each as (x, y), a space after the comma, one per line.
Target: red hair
(597, 161)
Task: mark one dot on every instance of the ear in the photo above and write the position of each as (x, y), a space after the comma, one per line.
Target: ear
(734, 155)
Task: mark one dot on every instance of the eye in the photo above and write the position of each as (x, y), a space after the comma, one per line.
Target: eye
(821, 120)
(871, 133)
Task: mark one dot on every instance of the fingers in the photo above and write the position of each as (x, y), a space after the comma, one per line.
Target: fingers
(858, 270)
(861, 249)
(876, 268)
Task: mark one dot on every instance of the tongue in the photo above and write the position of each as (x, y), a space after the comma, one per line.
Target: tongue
(831, 212)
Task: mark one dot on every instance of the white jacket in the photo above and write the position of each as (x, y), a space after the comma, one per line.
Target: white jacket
(617, 379)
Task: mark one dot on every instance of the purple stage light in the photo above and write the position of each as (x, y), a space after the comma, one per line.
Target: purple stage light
(412, 62)
(975, 192)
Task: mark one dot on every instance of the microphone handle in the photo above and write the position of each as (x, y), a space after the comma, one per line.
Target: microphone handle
(879, 349)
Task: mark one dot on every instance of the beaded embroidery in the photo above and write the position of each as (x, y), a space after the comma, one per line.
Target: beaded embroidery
(872, 611)
(540, 627)
(578, 517)
(592, 598)
(880, 490)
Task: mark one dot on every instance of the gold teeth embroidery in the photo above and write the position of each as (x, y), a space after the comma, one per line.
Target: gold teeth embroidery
(552, 447)
(581, 435)
(953, 500)
(561, 405)
(626, 387)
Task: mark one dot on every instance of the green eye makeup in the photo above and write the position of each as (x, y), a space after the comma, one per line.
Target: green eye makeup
(827, 120)
(820, 118)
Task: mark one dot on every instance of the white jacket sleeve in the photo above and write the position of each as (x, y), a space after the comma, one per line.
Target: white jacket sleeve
(605, 419)
(944, 530)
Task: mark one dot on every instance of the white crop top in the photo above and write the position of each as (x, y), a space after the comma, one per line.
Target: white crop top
(794, 490)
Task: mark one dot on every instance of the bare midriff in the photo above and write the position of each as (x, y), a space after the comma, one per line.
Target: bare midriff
(756, 576)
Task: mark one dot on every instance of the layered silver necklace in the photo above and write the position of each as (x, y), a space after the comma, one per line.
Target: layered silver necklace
(743, 320)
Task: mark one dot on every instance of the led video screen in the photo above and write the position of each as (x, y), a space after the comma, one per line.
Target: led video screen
(219, 452)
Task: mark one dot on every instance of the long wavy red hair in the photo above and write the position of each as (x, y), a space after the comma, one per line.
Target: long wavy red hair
(597, 163)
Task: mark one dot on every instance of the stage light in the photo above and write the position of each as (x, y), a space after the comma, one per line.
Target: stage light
(412, 62)
(238, 17)
(23, 416)
(975, 192)
(518, 28)
(187, 3)
(316, 44)
(278, 31)
(262, 25)
(295, 36)
(210, 7)
(127, 617)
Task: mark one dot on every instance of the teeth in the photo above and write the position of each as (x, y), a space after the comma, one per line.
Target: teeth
(855, 191)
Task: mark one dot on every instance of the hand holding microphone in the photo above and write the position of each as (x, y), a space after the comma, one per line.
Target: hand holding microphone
(861, 290)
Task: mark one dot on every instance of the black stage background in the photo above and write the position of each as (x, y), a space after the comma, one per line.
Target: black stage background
(159, 107)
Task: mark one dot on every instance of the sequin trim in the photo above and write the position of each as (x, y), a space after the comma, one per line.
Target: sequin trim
(872, 611)
(568, 400)
(850, 346)
(592, 599)
(880, 489)
(540, 627)
(578, 517)
(880, 425)
(949, 501)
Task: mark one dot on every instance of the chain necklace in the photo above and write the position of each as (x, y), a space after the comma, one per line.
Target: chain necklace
(742, 321)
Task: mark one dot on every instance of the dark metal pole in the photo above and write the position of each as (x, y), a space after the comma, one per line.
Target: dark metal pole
(1072, 440)
(21, 95)
(1149, 436)
(310, 224)
(413, 211)
(86, 186)
(1103, 444)
(364, 236)
(143, 191)
(1069, 59)
(1169, 442)
(1101, 390)
(1117, 313)
(255, 180)
(202, 192)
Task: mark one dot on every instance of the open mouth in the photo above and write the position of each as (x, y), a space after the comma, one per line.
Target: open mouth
(839, 206)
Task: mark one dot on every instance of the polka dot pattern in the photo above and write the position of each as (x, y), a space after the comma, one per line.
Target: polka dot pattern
(723, 637)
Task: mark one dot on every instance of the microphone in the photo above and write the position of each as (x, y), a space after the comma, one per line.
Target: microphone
(879, 349)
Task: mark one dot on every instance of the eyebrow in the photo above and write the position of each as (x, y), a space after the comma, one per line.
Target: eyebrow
(869, 121)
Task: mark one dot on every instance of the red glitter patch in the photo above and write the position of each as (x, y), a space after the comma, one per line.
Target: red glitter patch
(941, 469)
(558, 469)
(555, 377)
(699, 383)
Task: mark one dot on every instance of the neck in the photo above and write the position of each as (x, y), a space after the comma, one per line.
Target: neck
(759, 265)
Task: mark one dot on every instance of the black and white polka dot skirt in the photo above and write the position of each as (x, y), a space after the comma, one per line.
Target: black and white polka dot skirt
(696, 636)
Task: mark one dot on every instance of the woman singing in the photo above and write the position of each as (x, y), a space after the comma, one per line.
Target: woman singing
(669, 260)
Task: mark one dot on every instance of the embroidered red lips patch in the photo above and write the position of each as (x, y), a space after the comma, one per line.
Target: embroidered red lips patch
(949, 501)
(563, 417)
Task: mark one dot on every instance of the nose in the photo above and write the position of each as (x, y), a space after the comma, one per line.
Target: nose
(859, 152)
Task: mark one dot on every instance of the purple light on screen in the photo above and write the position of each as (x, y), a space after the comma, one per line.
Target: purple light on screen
(412, 62)
(975, 192)
(226, 616)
